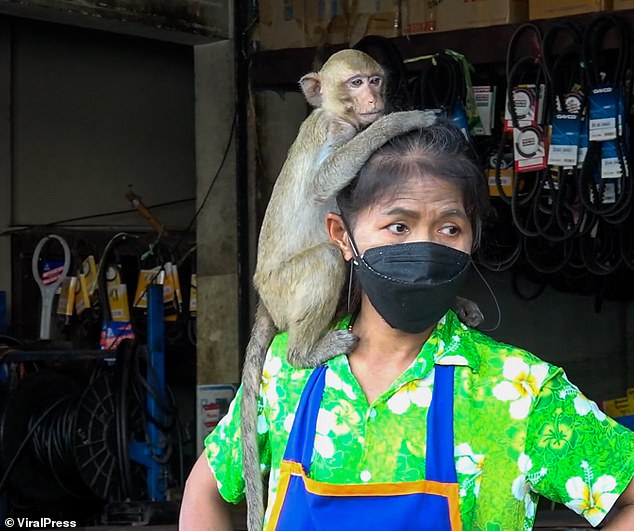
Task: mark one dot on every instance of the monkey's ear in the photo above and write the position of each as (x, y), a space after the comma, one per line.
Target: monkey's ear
(311, 87)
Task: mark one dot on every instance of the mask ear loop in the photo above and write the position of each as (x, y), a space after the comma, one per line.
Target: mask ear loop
(495, 300)
(350, 238)
(356, 254)
(349, 286)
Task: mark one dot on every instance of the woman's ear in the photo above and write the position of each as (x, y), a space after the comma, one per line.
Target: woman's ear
(338, 234)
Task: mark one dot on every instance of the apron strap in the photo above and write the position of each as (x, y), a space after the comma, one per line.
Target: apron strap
(439, 463)
(301, 440)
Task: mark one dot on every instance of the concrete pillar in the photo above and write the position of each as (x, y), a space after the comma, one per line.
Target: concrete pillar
(217, 329)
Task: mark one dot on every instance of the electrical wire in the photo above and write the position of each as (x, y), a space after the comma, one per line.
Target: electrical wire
(213, 181)
(27, 438)
(50, 435)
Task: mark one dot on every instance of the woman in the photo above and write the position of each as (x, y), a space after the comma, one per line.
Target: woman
(427, 424)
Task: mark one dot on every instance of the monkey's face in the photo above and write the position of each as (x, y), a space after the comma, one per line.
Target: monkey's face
(365, 94)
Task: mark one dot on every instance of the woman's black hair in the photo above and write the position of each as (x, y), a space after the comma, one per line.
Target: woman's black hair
(441, 151)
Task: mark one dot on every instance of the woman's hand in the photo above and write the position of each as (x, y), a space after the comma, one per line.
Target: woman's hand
(623, 519)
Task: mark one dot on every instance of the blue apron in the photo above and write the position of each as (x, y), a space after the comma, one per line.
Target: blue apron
(303, 504)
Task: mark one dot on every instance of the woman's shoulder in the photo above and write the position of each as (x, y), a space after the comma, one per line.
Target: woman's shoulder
(279, 344)
(494, 355)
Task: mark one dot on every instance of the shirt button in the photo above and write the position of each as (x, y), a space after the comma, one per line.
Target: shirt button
(372, 413)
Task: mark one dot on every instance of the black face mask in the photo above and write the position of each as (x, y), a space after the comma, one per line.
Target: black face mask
(411, 285)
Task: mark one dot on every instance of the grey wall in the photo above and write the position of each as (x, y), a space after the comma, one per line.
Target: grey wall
(85, 114)
(94, 113)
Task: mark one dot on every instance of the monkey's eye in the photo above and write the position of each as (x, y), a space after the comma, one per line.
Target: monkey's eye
(356, 81)
(376, 80)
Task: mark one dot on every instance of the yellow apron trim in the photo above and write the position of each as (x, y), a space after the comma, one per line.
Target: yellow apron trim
(423, 486)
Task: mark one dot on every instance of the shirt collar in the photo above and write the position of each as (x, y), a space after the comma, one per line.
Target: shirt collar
(451, 343)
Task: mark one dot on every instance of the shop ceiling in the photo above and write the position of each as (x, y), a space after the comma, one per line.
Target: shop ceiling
(184, 22)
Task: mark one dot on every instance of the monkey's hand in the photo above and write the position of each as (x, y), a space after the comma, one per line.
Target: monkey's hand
(332, 344)
(468, 312)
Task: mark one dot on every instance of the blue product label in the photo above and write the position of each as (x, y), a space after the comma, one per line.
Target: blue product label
(583, 142)
(113, 333)
(603, 104)
(564, 140)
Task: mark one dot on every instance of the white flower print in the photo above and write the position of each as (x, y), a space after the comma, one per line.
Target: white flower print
(471, 464)
(521, 484)
(520, 487)
(271, 368)
(336, 422)
(583, 406)
(326, 421)
(522, 385)
(333, 380)
(591, 500)
(263, 426)
(444, 353)
(324, 446)
(416, 392)
(288, 422)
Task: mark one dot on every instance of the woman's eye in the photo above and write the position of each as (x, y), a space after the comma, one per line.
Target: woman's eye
(450, 230)
(398, 228)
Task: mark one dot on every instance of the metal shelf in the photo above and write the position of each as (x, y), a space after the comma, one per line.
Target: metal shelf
(281, 69)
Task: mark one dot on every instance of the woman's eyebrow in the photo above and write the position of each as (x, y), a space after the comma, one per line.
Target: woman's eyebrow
(454, 212)
(401, 211)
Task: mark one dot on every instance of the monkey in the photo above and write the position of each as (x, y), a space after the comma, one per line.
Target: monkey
(299, 274)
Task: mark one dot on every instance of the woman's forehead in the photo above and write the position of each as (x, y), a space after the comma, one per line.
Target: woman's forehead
(420, 187)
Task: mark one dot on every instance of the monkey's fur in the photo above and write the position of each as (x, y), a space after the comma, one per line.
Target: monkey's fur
(299, 273)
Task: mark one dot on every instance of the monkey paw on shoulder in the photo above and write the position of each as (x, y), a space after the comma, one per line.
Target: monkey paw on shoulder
(332, 344)
(468, 312)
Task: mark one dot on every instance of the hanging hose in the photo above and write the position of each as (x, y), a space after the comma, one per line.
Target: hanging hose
(607, 195)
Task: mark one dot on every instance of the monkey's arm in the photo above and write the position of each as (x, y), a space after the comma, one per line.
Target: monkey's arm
(202, 508)
(345, 161)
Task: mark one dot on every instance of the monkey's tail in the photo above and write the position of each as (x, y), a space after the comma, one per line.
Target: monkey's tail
(261, 335)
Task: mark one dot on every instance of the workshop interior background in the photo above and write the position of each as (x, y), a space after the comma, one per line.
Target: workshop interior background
(147, 135)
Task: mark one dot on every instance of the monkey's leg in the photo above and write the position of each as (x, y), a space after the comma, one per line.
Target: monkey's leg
(261, 336)
(311, 310)
(468, 312)
(345, 161)
(328, 346)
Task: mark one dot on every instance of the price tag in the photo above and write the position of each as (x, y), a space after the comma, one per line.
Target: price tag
(610, 163)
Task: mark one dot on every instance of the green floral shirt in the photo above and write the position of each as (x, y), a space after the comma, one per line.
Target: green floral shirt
(521, 430)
